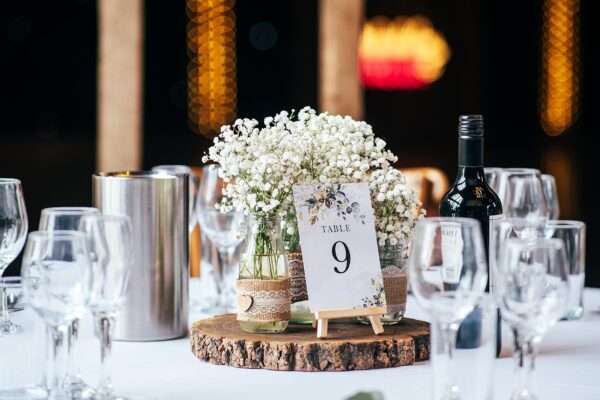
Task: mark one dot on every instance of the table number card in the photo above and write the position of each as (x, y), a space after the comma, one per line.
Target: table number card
(339, 246)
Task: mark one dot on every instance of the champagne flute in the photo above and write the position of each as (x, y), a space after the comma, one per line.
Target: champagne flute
(448, 276)
(57, 279)
(13, 231)
(531, 291)
(225, 230)
(109, 242)
(68, 219)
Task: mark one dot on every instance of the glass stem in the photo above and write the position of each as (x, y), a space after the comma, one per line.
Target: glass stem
(525, 353)
(448, 332)
(57, 361)
(105, 328)
(73, 340)
(226, 265)
(4, 317)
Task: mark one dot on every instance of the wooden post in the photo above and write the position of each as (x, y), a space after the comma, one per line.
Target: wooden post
(340, 23)
(120, 65)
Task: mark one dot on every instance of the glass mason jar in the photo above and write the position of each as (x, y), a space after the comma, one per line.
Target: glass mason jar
(300, 311)
(393, 267)
(263, 283)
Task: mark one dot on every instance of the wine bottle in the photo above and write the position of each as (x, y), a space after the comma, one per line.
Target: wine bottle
(471, 197)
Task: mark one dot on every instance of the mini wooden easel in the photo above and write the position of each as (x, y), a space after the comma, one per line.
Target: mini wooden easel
(321, 318)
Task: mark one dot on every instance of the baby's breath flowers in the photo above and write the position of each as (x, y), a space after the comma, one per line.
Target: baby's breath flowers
(263, 163)
(396, 207)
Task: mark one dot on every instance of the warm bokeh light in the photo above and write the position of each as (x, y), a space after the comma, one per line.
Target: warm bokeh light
(559, 98)
(561, 162)
(212, 81)
(404, 53)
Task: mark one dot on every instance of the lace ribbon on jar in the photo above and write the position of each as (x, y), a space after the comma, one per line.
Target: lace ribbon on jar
(263, 300)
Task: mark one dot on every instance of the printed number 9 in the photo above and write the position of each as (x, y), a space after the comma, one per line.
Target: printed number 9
(346, 258)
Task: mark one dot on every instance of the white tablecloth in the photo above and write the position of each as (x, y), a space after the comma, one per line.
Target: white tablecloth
(568, 368)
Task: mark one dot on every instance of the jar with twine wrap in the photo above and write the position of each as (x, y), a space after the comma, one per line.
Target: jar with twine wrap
(395, 282)
(263, 286)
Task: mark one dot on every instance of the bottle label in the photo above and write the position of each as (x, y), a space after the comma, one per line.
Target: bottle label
(492, 250)
(452, 248)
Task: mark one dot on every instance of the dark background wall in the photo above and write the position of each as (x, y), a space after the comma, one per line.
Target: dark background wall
(48, 91)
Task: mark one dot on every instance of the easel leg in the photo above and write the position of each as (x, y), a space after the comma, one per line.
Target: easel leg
(322, 326)
(376, 324)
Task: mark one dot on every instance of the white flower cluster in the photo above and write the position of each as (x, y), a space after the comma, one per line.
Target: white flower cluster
(396, 207)
(338, 149)
(262, 165)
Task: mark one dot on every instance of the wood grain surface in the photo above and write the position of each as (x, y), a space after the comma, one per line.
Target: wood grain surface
(349, 346)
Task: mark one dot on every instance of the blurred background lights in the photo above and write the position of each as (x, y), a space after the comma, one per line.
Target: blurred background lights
(212, 80)
(559, 94)
(404, 53)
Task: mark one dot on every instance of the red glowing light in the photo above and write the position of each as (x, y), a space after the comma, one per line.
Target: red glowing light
(407, 53)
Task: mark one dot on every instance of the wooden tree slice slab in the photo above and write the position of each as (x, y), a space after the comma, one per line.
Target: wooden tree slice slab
(349, 346)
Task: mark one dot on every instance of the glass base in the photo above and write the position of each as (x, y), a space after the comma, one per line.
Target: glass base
(112, 396)
(30, 393)
(573, 314)
(387, 319)
(79, 389)
(263, 327)
(9, 328)
(523, 394)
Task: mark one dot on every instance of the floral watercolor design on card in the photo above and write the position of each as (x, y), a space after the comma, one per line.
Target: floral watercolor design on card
(332, 197)
(378, 297)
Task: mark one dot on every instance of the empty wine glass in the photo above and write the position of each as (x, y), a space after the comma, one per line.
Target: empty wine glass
(531, 291)
(194, 183)
(109, 242)
(57, 279)
(13, 231)
(448, 275)
(224, 229)
(551, 193)
(68, 219)
(522, 194)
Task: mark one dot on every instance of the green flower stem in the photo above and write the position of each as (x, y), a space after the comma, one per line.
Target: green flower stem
(265, 254)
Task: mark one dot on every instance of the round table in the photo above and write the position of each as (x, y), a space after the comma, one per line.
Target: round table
(568, 368)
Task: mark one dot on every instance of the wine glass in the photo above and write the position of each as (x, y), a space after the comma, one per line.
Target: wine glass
(531, 291)
(448, 276)
(68, 219)
(194, 183)
(551, 194)
(224, 229)
(57, 279)
(109, 242)
(13, 231)
(522, 194)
